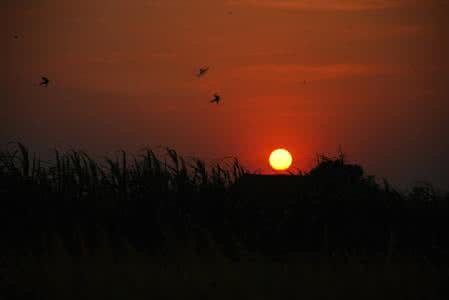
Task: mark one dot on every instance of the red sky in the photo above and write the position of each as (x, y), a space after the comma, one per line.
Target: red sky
(123, 77)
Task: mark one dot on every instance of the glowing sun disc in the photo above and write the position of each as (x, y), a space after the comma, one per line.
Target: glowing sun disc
(280, 159)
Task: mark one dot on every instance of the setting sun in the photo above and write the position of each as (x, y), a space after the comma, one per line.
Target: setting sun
(280, 159)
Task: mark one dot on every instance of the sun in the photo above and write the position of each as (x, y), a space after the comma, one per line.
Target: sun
(280, 159)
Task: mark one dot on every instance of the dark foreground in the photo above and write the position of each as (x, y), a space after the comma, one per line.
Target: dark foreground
(101, 275)
(151, 227)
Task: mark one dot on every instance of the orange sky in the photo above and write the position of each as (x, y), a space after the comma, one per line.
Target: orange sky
(123, 76)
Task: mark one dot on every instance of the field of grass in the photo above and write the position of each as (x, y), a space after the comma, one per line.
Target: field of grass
(150, 227)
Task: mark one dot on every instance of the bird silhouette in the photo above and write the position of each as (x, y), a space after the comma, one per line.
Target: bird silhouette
(45, 81)
(216, 99)
(202, 71)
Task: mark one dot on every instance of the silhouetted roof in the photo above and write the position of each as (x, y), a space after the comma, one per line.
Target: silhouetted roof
(268, 186)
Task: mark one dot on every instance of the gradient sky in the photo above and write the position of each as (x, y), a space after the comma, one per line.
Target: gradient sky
(123, 77)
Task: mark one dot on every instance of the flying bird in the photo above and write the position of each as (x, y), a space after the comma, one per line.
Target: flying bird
(202, 71)
(216, 99)
(45, 81)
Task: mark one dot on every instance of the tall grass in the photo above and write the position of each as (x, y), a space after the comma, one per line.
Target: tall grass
(147, 226)
(147, 200)
(121, 193)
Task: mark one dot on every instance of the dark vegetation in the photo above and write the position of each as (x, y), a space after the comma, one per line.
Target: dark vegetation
(163, 227)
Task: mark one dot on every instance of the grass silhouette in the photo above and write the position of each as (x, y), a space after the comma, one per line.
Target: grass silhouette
(164, 228)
